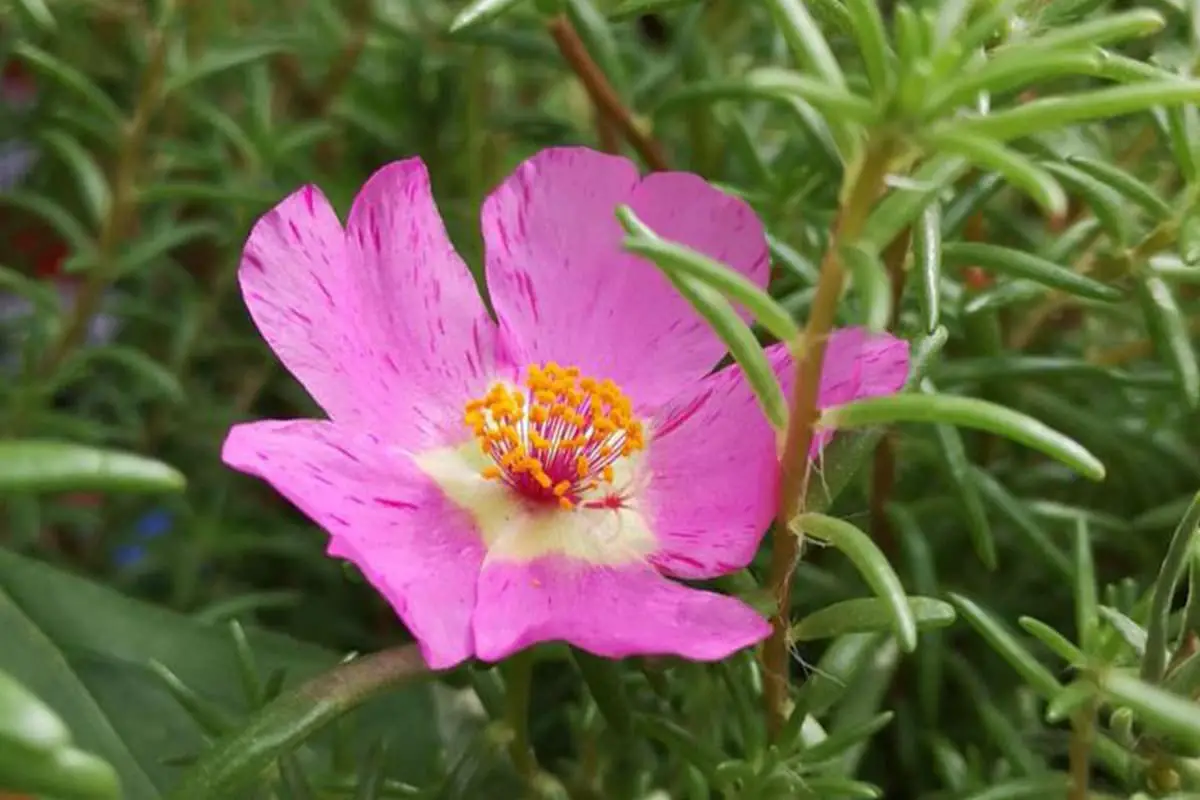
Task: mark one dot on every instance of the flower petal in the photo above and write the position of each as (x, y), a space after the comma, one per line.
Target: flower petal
(565, 291)
(713, 458)
(382, 513)
(712, 480)
(611, 612)
(857, 364)
(382, 323)
(442, 347)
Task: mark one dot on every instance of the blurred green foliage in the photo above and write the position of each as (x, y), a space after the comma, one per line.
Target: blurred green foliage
(1038, 201)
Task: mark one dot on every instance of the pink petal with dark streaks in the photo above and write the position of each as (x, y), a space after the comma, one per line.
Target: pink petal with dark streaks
(564, 290)
(383, 514)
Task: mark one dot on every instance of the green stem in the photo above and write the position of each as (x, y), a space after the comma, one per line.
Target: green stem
(518, 680)
(1080, 751)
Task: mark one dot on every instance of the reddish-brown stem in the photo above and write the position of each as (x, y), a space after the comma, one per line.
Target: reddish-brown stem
(602, 93)
(785, 550)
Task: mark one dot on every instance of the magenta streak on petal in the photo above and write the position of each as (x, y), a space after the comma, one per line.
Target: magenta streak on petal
(420, 552)
(383, 501)
(713, 457)
(381, 322)
(565, 290)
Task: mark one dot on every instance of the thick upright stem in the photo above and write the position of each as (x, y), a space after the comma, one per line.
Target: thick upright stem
(857, 203)
(602, 93)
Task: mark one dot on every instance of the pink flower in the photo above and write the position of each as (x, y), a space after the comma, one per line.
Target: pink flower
(544, 478)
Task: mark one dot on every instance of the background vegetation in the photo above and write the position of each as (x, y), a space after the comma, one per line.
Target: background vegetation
(1012, 184)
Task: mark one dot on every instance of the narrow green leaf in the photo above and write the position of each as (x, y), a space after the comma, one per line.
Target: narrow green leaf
(217, 60)
(966, 412)
(1018, 264)
(89, 178)
(1172, 269)
(603, 679)
(247, 665)
(871, 36)
(871, 285)
(804, 39)
(1052, 639)
(1002, 74)
(1086, 616)
(71, 79)
(1125, 184)
(211, 718)
(1024, 522)
(481, 11)
(27, 726)
(872, 564)
(927, 252)
(1105, 29)
(911, 47)
(35, 465)
(236, 761)
(841, 460)
(371, 773)
(1104, 202)
(818, 787)
(1049, 113)
(843, 660)
(1157, 708)
(1181, 135)
(837, 742)
(681, 741)
(65, 774)
(53, 214)
(676, 258)
(985, 26)
(38, 13)
(786, 256)
(636, 8)
(776, 85)
(1185, 678)
(1130, 632)
(868, 614)
(1154, 664)
(1003, 295)
(737, 336)
(145, 372)
(900, 207)
(958, 471)
(1168, 329)
(825, 95)
(1037, 788)
(294, 782)
(1006, 645)
(1019, 170)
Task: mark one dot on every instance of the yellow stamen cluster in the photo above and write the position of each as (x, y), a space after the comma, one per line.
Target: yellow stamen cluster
(559, 438)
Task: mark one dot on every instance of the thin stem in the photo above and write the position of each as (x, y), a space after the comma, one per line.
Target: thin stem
(602, 93)
(120, 210)
(518, 680)
(1079, 751)
(856, 206)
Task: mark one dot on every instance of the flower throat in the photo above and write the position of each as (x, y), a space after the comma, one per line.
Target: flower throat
(559, 440)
